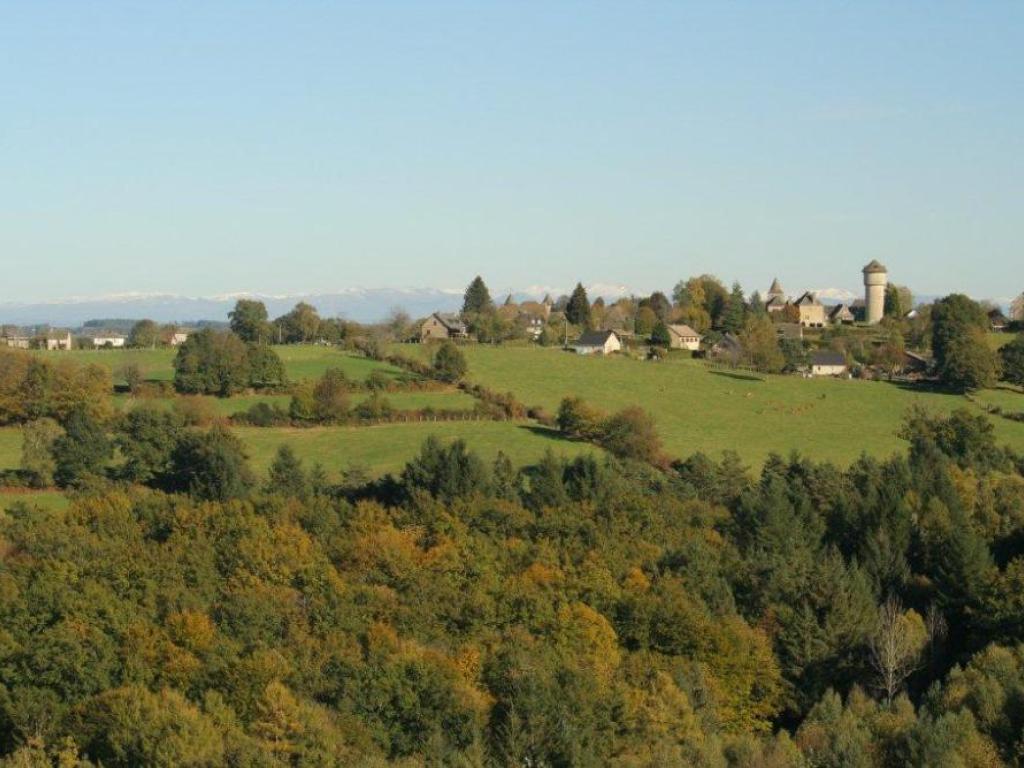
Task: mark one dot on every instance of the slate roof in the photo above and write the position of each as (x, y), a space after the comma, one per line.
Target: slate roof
(451, 322)
(594, 338)
(874, 266)
(827, 357)
(776, 288)
(808, 299)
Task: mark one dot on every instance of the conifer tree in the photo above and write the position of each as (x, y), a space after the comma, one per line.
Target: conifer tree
(578, 309)
(477, 298)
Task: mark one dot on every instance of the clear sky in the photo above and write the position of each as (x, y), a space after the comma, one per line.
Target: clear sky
(208, 147)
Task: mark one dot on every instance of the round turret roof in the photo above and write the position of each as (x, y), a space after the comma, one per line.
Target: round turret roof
(873, 267)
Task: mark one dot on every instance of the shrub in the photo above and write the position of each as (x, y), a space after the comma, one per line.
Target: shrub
(631, 434)
(194, 411)
(263, 415)
(449, 362)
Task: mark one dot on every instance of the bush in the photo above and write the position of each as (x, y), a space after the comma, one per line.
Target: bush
(263, 415)
(449, 363)
(631, 434)
(578, 420)
(194, 410)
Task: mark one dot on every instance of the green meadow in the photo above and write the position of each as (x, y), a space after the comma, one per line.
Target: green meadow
(386, 448)
(698, 409)
(300, 361)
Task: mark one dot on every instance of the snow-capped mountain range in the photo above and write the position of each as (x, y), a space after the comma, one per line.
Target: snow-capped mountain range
(359, 304)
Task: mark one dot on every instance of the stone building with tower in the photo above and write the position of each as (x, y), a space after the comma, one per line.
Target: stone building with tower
(876, 278)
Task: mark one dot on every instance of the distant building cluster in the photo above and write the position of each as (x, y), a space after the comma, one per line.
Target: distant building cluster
(809, 312)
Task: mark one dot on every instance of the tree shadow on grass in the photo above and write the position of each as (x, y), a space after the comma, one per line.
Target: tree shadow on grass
(548, 433)
(738, 375)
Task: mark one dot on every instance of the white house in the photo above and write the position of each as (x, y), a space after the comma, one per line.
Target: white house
(597, 343)
(178, 338)
(107, 339)
(825, 362)
(58, 341)
(684, 337)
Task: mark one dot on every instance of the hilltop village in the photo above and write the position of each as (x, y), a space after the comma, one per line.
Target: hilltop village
(884, 334)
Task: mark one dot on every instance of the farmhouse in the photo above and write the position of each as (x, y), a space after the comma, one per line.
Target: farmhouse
(58, 341)
(997, 320)
(178, 338)
(812, 311)
(440, 327)
(841, 314)
(597, 343)
(101, 339)
(825, 362)
(683, 337)
(15, 341)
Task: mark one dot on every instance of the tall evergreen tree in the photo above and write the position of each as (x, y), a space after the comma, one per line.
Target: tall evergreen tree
(735, 310)
(577, 311)
(477, 298)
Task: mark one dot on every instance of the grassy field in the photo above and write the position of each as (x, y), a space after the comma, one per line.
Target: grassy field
(450, 399)
(1008, 398)
(46, 500)
(301, 362)
(388, 447)
(698, 409)
(10, 447)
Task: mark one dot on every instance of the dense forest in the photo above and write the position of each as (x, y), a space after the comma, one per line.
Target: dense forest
(584, 613)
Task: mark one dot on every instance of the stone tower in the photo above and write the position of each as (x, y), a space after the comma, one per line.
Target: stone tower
(876, 278)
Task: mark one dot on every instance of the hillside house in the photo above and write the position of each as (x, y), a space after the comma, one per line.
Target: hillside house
(443, 327)
(998, 320)
(812, 311)
(683, 337)
(825, 362)
(841, 314)
(107, 339)
(58, 341)
(597, 343)
(15, 340)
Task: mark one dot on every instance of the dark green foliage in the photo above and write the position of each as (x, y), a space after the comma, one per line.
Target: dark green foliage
(577, 311)
(211, 466)
(249, 321)
(302, 324)
(286, 475)
(660, 336)
(449, 362)
(145, 334)
(82, 452)
(1012, 356)
(146, 438)
(265, 367)
(734, 315)
(477, 299)
(962, 355)
(330, 397)
(211, 363)
(446, 472)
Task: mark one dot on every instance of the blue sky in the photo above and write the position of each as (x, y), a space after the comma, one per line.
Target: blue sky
(200, 148)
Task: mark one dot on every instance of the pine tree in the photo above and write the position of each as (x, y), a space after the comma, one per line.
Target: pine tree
(735, 310)
(578, 309)
(477, 298)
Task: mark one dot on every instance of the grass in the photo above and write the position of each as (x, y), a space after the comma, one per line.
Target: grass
(49, 501)
(388, 447)
(10, 447)
(301, 362)
(1007, 397)
(697, 409)
(449, 399)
